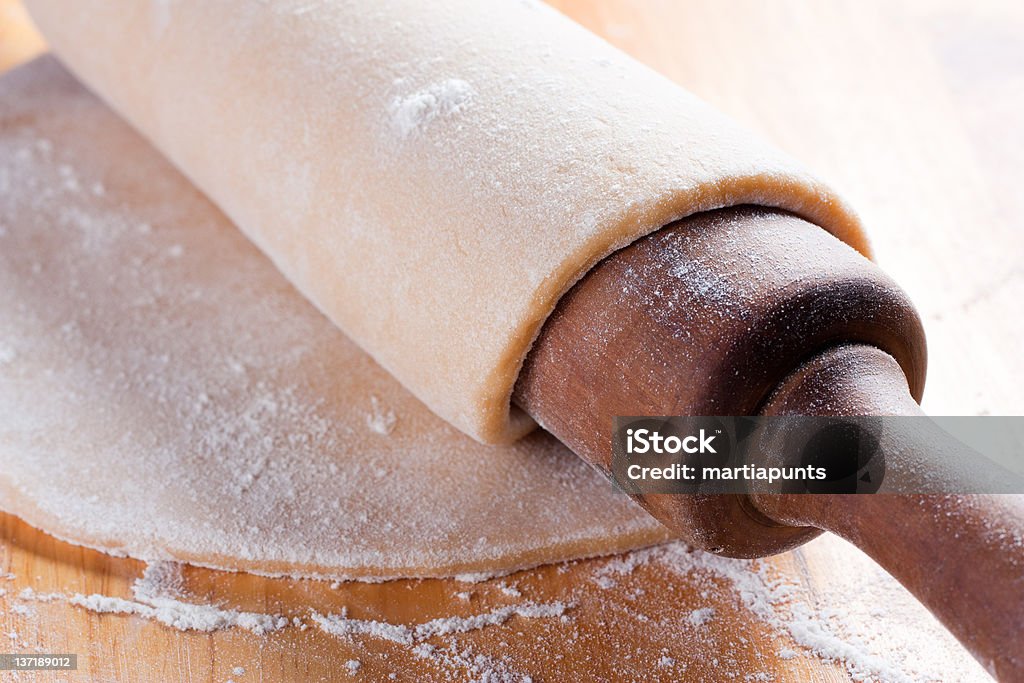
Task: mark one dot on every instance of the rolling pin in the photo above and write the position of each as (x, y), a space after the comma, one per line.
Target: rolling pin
(749, 311)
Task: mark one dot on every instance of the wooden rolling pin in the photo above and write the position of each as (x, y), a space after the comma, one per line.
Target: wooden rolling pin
(750, 311)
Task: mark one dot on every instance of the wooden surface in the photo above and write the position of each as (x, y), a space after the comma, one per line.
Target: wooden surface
(912, 110)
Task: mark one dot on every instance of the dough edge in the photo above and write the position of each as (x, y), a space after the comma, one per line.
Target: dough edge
(805, 197)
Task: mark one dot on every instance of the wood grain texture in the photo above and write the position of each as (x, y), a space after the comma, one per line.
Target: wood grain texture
(909, 108)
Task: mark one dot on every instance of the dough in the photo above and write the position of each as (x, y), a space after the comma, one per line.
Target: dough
(165, 393)
(431, 175)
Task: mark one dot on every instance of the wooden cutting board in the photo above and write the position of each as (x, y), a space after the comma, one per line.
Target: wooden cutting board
(912, 110)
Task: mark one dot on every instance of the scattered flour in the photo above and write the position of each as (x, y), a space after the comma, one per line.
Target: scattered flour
(412, 113)
(479, 577)
(342, 625)
(620, 566)
(183, 616)
(153, 600)
(158, 580)
(850, 635)
(448, 625)
(510, 591)
(700, 617)
(353, 666)
(380, 419)
(29, 594)
(476, 667)
(22, 610)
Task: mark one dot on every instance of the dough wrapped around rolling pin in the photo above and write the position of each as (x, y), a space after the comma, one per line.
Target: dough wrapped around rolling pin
(432, 176)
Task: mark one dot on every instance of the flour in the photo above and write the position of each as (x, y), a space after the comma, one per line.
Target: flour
(809, 628)
(700, 617)
(342, 625)
(474, 666)
(410, 114)
(449, 625)
(381, 419)
(478, 577)
(182, 615)
(510, 591)
(896, 644)
(620, 566)
(893, 643)
(161, 579)
(152, 601)
(30, 594)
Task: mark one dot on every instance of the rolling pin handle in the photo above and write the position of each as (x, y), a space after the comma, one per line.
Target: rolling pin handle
(962, 556)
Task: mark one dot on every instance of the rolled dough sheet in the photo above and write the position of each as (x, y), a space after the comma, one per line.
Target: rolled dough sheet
(431, 175)
(164, 392)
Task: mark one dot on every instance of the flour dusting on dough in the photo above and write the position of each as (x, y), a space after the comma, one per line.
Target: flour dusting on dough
(412, 113)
